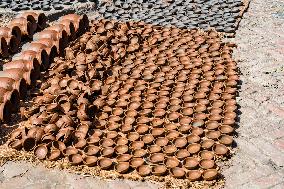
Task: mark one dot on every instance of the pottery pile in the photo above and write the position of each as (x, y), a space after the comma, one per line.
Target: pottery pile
(137, 98)
(21, 73)
(222, 15)
(44, 5)
(22, 27)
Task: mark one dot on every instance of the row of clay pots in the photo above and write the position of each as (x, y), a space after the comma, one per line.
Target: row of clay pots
(23, 26)
(25, 67)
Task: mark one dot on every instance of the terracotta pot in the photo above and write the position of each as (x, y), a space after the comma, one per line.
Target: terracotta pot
(90, 161)
(172, 162)
(29, 143)
(159, 170)
(91, 150)
(226, 140)
(220, 149)
(157, 158)
(75, 159)
(53, 155)
(177, 172)
(136, 162)
(191, 163)
(194, 175)
(122, 167)
(193, 148)
(182, 154)
(210, 174)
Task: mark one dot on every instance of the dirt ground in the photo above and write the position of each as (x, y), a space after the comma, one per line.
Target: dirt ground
(259, 156)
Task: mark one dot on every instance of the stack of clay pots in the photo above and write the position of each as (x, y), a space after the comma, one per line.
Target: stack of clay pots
(23, 26)
(21, 73)
(137, 98)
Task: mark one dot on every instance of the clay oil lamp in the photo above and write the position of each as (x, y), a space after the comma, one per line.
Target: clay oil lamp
(177, 172)
(136, 162)
(123, 157)
(105, 163)
(156, 122)
(212, 125)
(184, 128)
(122, 167)
(172, 162)
(142, 129)
(90, 161)
(157, 158)
(169, 150)
(157, 132)
(144, 170)
(136, 145)
(220, 149)
(213, 134)
(29, 143)
(159, 170)
(210, 174)
(170, 126)
(133, 136)
(191, 163)
(41, 151)
(194, 175)
(154, 149)
(206, 164)
(173, 134)
(182, 154)
(197, 123)
(226, 140)
(106, 142)
(161, 141)
(226, 129)
(205, 154)
(75, 159)
(193, 148)
(139, 153)
(180, 142)
(148, 139)
(127, 127)
(197, 131)
(91, 150)
(192, 138)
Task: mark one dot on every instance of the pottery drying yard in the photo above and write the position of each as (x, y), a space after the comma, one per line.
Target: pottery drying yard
(142, 94)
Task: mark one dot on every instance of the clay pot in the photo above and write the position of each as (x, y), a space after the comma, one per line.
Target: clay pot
(169, 150)
(107, 152)
(154, 149)
(182, 154)
(136, 162)
(70, 151)
(53, 154)
(75, 159)
(193, 148)
(139, 153)
(171, 135)
(157, 132)
(123, 157)
(213, 134)
(107, 142)
(191, 163)
(159, 170)
(220, 149)
(177, 172)
(91, 150)
(172, 162)
(210, 174)
(226, 140)
(157, 158)
(144, 170)
(41, 151)
(148, 139)
(122, 167)
(194, 175)
(121, 149)
(226, 129)
(161, 141)
(90, 161)
(29, 143)
(105, 163)
(180, 142)
(58, 145)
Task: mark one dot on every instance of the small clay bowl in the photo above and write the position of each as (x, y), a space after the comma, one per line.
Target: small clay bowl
(157, 132)
(157, 158)
(193, 148)
(91, 150)
(194, 175)
(212, 125)
(136, 162)
(107, 142)
(121, 149)
(220, 149)
(90, 161)
(226, 140)
(122, 167)
(161, 141)
(159, 170)
(205, 154)
(169, 150)
(177, 172)
(193, 138)
(105, 163)
(172, 162)
(107, 151)
(226, 129)
(173, 134)
(148, 139)
(75, 159)
(170, 126)
(123, 157)
(191, 163)
(136, 145)
(184, 129)
(133, 136)
(70, 151)
(197, 131)
(210, 174)
(142, 129)
(207, 163)
(154, 149)
(121, 141)
(139, 153)
(207, 143)
(144, 170)
(180, 142)
(41, 151)
(214, 135)
(182, 154)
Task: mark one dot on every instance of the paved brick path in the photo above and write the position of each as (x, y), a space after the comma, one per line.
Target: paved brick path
(259, 159)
